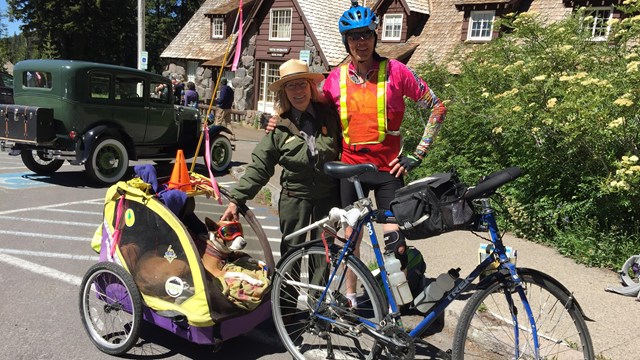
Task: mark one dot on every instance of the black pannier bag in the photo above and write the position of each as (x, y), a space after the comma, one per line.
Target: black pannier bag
(431, 206)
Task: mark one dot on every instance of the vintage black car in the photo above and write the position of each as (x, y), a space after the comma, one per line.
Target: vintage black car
(100, 116)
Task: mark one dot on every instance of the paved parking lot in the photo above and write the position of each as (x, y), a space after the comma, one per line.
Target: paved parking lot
(46, 225)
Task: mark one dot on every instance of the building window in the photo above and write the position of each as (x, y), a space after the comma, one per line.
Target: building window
(392, 27)
(480, 25)
(597, 21)
(280, 25)
(269, 73)
(217, 28)
(192, 67)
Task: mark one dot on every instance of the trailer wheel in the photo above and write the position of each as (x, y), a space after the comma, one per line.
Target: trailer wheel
(108, 162)
(39, 162)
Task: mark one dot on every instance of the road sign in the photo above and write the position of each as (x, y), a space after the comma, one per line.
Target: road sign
(144, 60)
(305, 55)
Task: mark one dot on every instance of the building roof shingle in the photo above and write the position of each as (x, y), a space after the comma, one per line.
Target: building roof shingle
(441, 34)
(419, 6)
(323, 17)
(194, 42)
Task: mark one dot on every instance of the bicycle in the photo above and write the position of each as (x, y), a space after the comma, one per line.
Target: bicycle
(513, 312)
(629, 277)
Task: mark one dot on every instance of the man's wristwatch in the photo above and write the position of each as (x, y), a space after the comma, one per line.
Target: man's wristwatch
(420, 154)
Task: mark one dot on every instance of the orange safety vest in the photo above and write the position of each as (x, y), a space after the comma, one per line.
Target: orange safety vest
(363, 108)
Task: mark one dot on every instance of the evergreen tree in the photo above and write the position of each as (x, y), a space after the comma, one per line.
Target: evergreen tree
(98, 30)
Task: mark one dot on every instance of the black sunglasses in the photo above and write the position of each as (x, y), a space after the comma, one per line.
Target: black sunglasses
(357, 35)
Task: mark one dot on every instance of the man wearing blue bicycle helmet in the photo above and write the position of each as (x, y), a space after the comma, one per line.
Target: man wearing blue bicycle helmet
(369, 94)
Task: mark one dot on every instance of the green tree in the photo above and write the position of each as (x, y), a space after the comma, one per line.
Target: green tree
(102, 31)
(563, 108)
(4, 41)
(48, 50)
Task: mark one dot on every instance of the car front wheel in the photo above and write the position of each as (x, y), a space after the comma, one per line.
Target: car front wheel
(221, 152)
(108, 161)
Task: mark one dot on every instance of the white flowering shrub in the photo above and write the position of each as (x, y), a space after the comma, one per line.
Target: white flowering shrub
(565, 110)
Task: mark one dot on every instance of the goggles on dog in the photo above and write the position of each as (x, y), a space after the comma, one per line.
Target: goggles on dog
(230, 231)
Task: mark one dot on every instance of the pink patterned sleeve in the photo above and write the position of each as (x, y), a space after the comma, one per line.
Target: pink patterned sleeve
(417, 90)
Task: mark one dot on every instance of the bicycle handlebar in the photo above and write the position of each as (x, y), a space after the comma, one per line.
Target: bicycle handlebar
(491, 182)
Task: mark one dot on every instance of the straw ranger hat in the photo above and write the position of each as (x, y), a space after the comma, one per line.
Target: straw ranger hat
(295, 69)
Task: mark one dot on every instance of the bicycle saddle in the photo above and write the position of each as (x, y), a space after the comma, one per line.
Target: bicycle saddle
(340, 170)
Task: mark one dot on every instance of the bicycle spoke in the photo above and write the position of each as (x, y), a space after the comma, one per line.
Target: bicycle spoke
(313, 327)
(487, 331)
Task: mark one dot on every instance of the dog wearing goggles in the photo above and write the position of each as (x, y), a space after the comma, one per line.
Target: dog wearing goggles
(225, 238)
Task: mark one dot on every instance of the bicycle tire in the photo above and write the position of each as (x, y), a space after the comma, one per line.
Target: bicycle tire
(110, 308)
(485, 329)
(630, 272)
(305, 335)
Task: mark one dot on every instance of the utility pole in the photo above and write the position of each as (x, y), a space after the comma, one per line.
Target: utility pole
(142, 55)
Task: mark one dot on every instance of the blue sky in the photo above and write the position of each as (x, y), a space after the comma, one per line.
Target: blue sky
(12, 27)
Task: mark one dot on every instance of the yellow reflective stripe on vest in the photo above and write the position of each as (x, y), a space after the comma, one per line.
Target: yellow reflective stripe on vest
(344, 120)
(381, 101)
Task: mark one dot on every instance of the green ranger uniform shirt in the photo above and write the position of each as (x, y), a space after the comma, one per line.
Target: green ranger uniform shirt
(302, 175)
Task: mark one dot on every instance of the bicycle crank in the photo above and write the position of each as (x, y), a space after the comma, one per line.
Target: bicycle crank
(401, 346)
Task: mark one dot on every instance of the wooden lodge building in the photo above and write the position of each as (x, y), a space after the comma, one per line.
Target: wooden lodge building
(274, 31)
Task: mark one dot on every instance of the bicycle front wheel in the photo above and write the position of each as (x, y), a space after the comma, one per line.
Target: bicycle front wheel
(330, 329)
(486, 329)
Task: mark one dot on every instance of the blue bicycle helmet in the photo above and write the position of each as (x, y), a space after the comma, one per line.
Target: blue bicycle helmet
(357, 17)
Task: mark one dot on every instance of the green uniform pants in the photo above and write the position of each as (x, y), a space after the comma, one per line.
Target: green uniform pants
(296, 213)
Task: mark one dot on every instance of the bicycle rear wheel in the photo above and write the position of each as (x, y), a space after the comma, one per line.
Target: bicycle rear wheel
(486, 329)
(297, 286)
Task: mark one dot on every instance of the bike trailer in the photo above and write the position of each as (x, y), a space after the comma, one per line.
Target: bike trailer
(151, 242)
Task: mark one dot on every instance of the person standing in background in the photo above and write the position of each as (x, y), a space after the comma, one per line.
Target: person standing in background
(225, 102)
(191, 97)
(178, 91)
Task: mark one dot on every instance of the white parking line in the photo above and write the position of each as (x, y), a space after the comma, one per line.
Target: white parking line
(12, 168)
(99, 213)
(51, 206)
(71, 223)
(46, 236)
(49, 254)
(39, 269)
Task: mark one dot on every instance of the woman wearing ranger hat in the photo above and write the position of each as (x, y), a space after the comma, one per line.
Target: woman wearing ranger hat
(306, 135)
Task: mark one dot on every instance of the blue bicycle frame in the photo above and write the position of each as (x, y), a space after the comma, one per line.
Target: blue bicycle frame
(499, 253)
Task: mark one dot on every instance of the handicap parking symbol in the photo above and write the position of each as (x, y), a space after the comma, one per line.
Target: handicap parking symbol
(21, 181)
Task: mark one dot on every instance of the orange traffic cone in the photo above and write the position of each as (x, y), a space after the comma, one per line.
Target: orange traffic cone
(180, 176)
